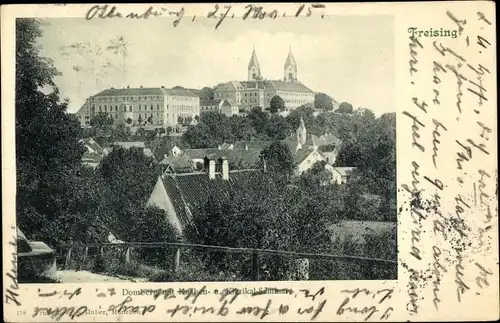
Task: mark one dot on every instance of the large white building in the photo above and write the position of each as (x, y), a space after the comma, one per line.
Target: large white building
(258, 91)
(159, 107)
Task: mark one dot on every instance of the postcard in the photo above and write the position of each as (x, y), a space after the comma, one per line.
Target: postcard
(328, 162)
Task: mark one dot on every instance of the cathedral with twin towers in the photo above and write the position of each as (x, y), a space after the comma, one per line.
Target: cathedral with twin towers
(258, 90)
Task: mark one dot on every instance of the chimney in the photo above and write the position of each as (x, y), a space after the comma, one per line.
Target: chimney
(211, 169)
(225, 169)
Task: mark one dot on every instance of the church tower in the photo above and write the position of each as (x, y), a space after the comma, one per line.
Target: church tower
(290, 72)
(301, 134)
(253, 67)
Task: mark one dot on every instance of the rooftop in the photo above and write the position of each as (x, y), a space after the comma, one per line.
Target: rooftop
(178, 91)
(188, 192)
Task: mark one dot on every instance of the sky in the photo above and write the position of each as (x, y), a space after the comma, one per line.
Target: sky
(350, 58)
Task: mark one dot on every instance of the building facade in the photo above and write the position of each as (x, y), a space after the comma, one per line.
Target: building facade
(257, 91)
(225, 106)
(159, 107)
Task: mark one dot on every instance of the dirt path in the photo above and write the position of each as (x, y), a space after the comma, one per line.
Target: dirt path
(82, 276)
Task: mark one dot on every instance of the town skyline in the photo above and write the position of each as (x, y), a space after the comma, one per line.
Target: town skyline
(363, 79)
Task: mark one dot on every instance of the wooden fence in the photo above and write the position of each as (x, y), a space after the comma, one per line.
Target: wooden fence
(255, 253)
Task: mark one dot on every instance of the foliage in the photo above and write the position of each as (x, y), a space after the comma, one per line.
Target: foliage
(323, 102)
(48, 152)
(206, 93)
(277, 104)
(120, 171)
(278, 159)
(345, 107)
(102, 120)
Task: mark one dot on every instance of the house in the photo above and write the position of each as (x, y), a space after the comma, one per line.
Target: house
(198, 155)
(176, 163)
(327, 142)
(229, 108)
(226, 146)
(93, 154)
(237, 157)
(181, 195)
(135, 144)
(130, 144)
(252, 144)
(210, 106)
(175, 151)
(340, 175)
(305, 159)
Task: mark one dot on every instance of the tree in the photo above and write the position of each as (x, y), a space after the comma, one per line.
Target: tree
(277, 104)
(323, 102)
(128, 177)
(317, 175)
(212, 130)
(206, 93)
(129, 121)
(277, 128)
(102, 120)
(150, 224)
(345, 107)
(278, 159)
(241, 128)
(258, 119)
(47, 138)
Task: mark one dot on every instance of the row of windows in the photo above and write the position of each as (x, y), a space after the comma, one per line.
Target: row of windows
(182, 98)
(142, 98)
(126, 98)
(213, 107)
(280, 93)
(294, 94)
(145, 107)
(182, 107)
(250, 101)
(297, 101)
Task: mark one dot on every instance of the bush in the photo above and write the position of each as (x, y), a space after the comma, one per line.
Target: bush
(378, 245)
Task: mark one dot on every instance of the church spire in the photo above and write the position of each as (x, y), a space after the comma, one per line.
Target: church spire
(301, 134)
(253, 67)
(290, 71)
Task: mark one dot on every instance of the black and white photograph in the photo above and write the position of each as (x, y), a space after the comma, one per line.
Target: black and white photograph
(262, 151)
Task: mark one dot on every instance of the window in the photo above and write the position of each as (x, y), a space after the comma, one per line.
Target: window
(105, 108)
(151, 107)
(116, 108)
(158, 106)
(130, 109)
(139, 107)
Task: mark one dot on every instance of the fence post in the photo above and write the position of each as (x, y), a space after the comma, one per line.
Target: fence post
(127, 255)
(255, 265)
(85, 253)
(68, 258)
(176, 260)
